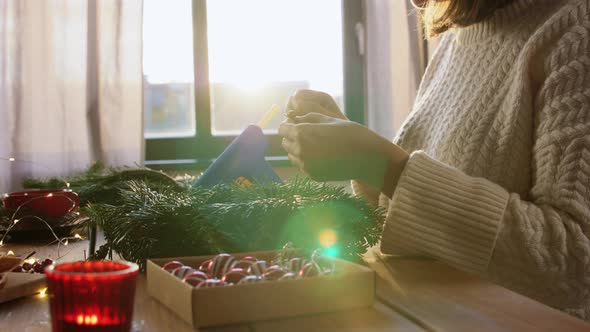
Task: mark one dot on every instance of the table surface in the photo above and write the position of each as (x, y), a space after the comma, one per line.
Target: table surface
(413, 295)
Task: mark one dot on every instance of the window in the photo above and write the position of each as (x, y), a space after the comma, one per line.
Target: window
(212, 67)
(169, 102)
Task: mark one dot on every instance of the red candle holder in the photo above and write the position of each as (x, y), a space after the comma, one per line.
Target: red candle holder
(91, 295)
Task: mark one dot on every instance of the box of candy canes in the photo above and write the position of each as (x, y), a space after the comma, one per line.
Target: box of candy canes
(237, 288)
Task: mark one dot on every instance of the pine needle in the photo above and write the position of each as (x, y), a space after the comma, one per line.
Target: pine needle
(146, 214)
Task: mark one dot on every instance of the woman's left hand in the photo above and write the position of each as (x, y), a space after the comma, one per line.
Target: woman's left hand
(330, 149)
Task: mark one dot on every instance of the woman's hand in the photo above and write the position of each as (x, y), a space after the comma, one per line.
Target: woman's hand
(331, 149)
(309, 101)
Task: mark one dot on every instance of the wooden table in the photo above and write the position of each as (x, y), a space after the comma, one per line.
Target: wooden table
(413, 295)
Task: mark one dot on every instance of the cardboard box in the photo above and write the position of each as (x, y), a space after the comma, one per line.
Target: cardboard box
(351, 286)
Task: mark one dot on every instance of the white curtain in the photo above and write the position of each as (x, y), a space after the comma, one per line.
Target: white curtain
(394, 63)
(70, 86)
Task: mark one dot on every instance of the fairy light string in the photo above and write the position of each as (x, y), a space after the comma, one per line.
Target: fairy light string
(13, 221)
(16, 216)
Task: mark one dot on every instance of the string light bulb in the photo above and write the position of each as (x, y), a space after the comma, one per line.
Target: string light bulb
(63, 241)
(43, 292)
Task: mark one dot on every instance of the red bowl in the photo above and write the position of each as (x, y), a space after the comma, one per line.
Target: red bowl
(52, 203)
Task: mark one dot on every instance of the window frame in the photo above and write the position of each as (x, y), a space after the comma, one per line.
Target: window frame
(200, 150)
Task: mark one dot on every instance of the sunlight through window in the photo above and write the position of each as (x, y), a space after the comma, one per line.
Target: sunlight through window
(259, 51)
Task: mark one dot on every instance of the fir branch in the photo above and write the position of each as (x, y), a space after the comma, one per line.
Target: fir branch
(101, 253)
(146, 214)
(100, 184)
(198, 221)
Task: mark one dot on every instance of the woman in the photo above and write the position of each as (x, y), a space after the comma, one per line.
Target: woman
(491, 170)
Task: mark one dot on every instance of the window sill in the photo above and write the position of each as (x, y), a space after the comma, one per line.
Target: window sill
(191, 165)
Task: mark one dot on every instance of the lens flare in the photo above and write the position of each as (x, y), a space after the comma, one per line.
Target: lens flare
(328, 237)
(331, 252)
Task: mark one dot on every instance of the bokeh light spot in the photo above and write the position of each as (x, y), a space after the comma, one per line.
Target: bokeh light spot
(331, 252)
(328, 237)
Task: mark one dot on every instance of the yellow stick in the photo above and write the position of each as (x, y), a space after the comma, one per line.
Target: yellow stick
(274, 109)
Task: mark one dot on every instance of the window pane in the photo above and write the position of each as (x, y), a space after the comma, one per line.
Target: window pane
(168, 69)
(261, 51)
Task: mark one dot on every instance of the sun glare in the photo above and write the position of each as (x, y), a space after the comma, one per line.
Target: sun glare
(259, 53)
(252, 44)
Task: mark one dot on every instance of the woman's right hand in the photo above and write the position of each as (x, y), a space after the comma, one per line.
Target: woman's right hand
(304, 102)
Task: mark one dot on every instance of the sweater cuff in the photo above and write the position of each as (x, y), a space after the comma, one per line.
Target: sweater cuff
(439, 211)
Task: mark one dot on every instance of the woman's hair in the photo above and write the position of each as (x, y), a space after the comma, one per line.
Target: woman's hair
(442, 15)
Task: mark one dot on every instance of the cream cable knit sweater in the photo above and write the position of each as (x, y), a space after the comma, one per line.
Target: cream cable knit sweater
(499, 179)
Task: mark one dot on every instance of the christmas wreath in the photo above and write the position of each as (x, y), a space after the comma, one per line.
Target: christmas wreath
(145, 213)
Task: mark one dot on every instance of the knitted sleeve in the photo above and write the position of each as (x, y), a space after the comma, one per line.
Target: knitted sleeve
(372, 195)
(538, 244)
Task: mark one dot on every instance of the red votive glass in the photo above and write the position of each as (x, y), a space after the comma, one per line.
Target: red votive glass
(91, 295)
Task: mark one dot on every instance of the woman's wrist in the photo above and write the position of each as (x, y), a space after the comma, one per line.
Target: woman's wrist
(396, 159)
(393, 173)
(386, 167)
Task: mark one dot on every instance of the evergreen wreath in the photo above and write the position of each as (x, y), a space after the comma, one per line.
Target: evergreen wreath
(147, 214)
